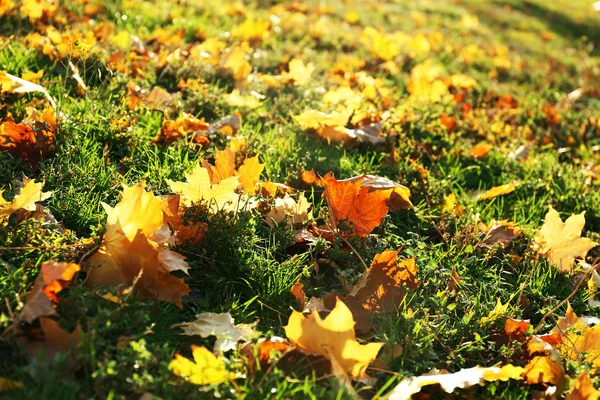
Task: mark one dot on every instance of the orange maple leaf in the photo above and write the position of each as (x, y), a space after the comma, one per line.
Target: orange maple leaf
(362, 210)
(134, 248)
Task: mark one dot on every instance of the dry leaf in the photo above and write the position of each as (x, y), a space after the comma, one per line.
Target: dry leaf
(463, 379)
(398, 195)
(499, 232)
(561, 242)
(134, 248)
(186, 125)
(197, 187)
(12, 84)
(287, 209)
(219, 325)
(31, 139)
(299, 73)
(361, 209)
(498, 191)
(41, 300)
(26, 199)
(237, 64)
(480, 150)
(333, 338)
(299, 295)
(6, 385)
(380, 288)
(56, 341)
(583, 389)
(206, 369)
(579, 342)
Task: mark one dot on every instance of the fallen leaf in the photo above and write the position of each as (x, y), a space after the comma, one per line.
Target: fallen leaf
(299, 295)
(41, 300)
(55, 341)
(498, 191)
(134, 249)
(583, 389)
(380, 288)
(499, 311)
(206, 369)
(6, 385)
(452, 206)
(561, 242)
(499, 232)
(299, 73)
(12, 84)
(237, 64)
(398, 195)
(449, 382)
(361, 209)
(26, 199)
(333, 338)
(480, 150)
(197, 187)
(579, 342)
(219, 325)
(287, 209)
(186, 125)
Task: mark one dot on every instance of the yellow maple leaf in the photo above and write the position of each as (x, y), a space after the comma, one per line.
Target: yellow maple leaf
(134, 248)
(333, 338)
(206, 369)
(299, 73)
(236, 62)
(30, 193)
(561, 242)
(198, 188)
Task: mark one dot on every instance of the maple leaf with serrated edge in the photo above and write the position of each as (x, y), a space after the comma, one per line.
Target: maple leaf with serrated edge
(561, 242)
(134, 248)
(333, 338)
(380, 288)
(358, 207)
(198, 187)
(30, 193)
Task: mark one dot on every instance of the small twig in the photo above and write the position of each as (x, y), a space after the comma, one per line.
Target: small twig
(384, 371)
(45, 247)
(271, 308)
(559, 305)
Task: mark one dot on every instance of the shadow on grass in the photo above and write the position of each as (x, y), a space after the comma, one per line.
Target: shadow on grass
(558, 22)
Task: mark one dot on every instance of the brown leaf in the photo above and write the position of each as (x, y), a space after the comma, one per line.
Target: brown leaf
(583, 389)
(134, 248)
(41, 300)
(500, 232)
(55, 341)
(299, 295)
(380, 288)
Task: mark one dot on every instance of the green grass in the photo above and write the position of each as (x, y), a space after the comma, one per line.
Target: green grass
(245, 267)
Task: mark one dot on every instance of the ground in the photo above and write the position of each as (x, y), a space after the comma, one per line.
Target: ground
(465, 96)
